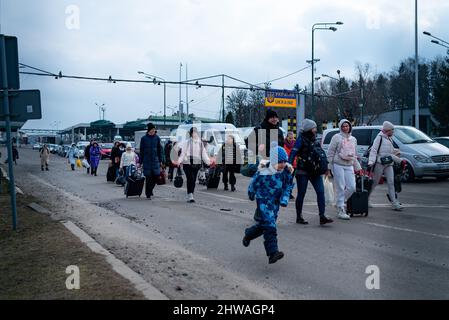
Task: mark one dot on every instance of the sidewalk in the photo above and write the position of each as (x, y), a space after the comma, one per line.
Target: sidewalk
(33, 260)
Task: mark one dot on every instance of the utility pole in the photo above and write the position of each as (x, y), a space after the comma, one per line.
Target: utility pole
(187, 94)
(12, 185)
(180, 93)
(416, 69)
(222, 98)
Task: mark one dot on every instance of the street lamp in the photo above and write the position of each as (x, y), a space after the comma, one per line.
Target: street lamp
(438, 41)
(319, 26)
(99, 109)
(149, 76)
(339, 88)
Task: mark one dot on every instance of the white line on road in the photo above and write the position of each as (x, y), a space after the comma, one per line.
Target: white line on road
(407, 230)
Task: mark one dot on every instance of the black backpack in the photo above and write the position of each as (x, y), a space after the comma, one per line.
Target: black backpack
(312, 159)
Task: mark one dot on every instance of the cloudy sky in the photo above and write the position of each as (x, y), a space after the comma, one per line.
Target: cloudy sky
(253, 40)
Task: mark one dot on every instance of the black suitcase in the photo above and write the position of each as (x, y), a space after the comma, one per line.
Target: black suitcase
(134, 187)
(358, 202)
(110, 175)
(213, 178)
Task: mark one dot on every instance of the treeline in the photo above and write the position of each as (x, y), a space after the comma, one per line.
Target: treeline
(367, 95)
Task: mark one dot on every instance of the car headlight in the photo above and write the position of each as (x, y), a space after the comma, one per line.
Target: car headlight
(422, 159)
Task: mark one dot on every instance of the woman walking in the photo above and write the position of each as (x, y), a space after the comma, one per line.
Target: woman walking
(95, 156)
(231, 158)
(87, 154)
(309, 154)
(72, 155)
(151, 158)
(382, 157)
(44, 154)
(192, 155)
(342, 157)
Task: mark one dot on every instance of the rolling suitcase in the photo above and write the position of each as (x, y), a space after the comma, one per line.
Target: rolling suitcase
(358, 202)
(213, 178)
(110, 175)
(134, 187)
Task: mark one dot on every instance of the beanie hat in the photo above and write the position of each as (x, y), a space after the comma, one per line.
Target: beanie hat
(387, 126)
(150, 126)
(129, 146)
(271, 114)
(308, 125)
(277, 154)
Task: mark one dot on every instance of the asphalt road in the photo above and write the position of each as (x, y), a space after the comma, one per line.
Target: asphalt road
(410, 248)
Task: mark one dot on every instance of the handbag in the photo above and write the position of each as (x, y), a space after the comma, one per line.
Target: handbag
(386, 160)
(86, 164)
(178, 182)
(162, 179)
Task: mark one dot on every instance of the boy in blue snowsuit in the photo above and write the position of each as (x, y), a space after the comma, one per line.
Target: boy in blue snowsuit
(271, 187)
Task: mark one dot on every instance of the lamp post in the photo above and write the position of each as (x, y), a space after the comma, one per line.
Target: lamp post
(437, 40)
(99, 109)
(149, 76)
(339, 89)
(416, 68)
(319, 26)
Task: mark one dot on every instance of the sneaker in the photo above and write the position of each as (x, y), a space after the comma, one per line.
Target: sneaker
(190, 198)
(341, 214)
(325, 220)
(397, 206)
(301, 221)
(246, 241)
(275, 257)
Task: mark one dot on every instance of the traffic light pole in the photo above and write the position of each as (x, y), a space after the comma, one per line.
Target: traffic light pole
(5, 92)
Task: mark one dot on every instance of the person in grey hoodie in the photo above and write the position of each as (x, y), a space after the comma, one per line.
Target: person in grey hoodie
(342, 157)
(382, 156)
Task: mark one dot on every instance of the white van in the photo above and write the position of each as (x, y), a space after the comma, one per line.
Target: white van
(214, 134)
(425, 157)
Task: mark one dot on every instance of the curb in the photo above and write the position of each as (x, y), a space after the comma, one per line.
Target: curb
(149, 291)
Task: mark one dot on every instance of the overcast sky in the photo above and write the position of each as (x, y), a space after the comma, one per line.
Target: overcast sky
(254, 40)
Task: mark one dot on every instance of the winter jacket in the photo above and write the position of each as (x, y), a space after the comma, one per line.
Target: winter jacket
(261, 137)
(44, 154)
(95, 155)
(151, 155)
(72, 154)
(386, 149)
(229, 155)
(333, 153)
(270, 189)
(193, 150)
(116, 155)
(128, 158)
(87, 152)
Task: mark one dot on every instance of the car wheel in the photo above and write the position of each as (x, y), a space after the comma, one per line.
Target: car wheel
(408, 175)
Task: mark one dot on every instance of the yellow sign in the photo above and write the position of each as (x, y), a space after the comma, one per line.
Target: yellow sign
(281, 99)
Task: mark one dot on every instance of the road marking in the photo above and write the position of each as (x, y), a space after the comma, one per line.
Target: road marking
(407, 230)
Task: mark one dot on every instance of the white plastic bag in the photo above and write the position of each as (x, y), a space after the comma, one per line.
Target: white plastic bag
(329, 191)
(86, 164)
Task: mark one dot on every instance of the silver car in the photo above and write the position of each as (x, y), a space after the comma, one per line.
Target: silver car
(424, 156)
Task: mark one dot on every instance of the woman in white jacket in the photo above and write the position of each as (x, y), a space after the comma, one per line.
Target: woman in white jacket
(129, 157)
(193, 154)
(382, 157)
(342, 157)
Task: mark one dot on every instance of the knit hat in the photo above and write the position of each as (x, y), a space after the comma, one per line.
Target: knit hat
(271, 114)
(308, 125)
(277, 154)
(129, 146)
(150, 126)
(387, 126)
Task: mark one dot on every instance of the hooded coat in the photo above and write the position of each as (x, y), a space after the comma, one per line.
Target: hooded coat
(333, 152)
(151, 155)
(386, 149)
(72, 154)
(95, 155)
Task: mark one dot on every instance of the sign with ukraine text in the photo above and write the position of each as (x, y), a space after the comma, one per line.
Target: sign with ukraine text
(280, 98)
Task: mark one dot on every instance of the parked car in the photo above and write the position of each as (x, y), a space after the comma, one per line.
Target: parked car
(81, 145)
(442, 140)
(36, 146)
(105, 150)
(63, 150)
(425, 157)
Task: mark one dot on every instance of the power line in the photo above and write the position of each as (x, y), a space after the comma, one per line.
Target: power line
(286, 76)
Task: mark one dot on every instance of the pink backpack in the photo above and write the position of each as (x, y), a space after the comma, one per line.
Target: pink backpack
(347, 150)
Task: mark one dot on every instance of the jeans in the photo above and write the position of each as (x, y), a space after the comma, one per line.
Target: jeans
(317, 183)
(191, 172)
(344, 180)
